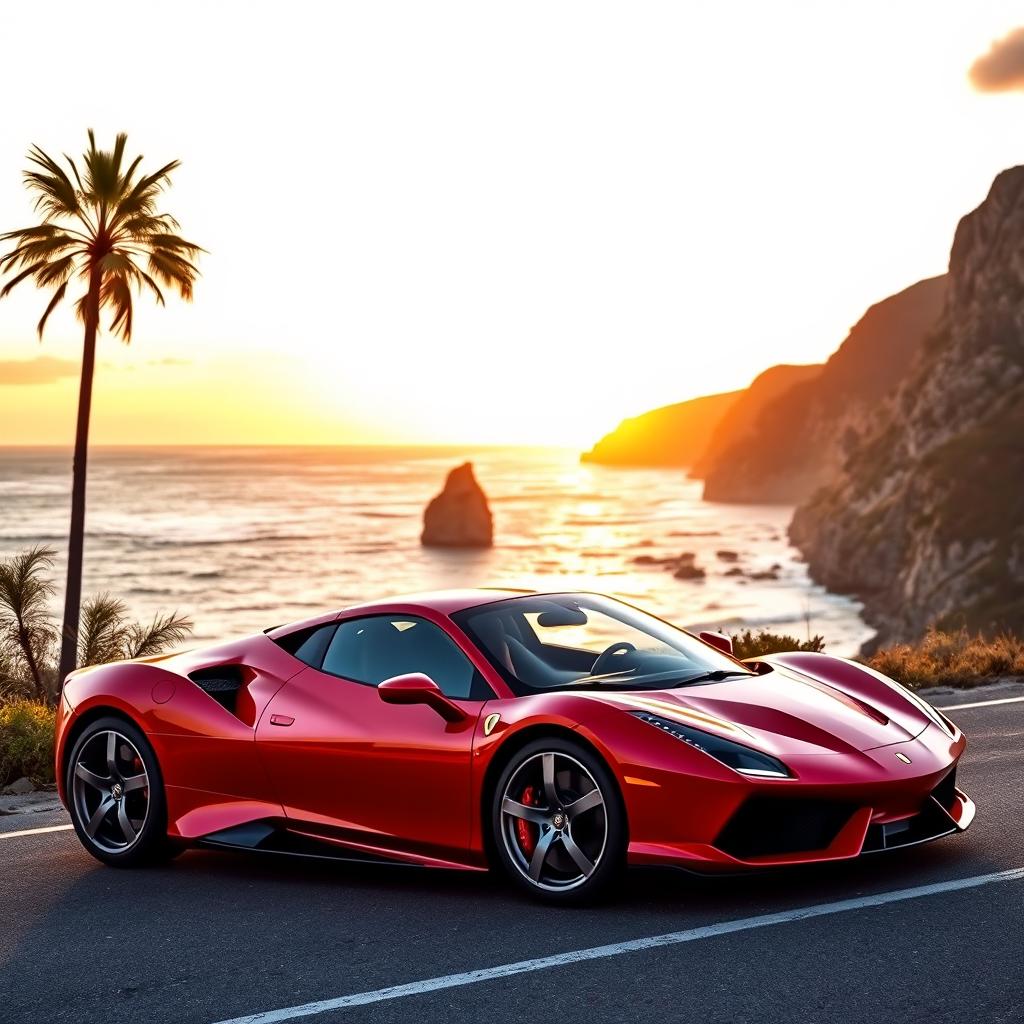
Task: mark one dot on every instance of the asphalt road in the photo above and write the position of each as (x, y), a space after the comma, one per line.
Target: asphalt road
(216, 936)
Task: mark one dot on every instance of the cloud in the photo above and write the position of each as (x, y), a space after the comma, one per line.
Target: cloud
(1002, 68)
(41, 370)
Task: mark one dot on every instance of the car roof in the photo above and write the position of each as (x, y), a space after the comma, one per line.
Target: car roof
(444, 601)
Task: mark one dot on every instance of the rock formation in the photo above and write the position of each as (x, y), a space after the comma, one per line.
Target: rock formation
(925, 522)
(459, 516)
(782, 441)
(674, 435)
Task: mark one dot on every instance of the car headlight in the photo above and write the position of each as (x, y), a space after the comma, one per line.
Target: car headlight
(744, 760)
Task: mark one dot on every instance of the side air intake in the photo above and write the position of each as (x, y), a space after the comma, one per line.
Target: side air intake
(222, 683)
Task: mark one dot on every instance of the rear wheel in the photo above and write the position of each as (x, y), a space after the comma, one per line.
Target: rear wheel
(558, 823)
(116, 795)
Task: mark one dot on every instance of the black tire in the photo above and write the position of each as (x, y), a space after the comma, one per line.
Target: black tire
(564, 840)
(114, 796)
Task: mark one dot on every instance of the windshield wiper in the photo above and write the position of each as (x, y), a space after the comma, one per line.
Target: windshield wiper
(715, 676)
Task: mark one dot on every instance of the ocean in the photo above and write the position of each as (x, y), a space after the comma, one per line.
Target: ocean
(243, 538)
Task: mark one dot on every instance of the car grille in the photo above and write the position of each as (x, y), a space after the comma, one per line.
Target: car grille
(772, 826)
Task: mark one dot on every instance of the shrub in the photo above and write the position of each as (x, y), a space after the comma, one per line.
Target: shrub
(26, 741)
(751, 645)
(951, 659)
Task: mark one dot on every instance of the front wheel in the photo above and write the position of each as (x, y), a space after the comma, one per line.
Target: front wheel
(116, 795)
(558, 822)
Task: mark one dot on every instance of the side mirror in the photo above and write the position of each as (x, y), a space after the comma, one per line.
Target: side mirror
(719, 640)
(417, 688)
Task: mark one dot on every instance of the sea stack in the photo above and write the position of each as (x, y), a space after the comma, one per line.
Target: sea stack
(458, 517)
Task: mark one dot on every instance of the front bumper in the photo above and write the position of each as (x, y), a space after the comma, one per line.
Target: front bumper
(838, 808)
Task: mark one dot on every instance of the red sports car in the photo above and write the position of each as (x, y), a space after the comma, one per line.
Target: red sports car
(560, 736)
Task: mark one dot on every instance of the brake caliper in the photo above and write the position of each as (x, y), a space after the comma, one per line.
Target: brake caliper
(526, 832)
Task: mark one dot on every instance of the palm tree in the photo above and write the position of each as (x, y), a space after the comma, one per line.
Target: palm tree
(26, 635)
(98, 226)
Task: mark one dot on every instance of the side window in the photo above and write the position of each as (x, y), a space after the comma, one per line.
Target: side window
(309, 645)
(376, 648)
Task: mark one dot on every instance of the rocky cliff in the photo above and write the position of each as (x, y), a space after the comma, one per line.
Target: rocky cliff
(735, 439)
(926, 520)
(674, 435)
(780, 446)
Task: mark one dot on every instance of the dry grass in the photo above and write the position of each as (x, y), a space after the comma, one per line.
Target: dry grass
(951, 659)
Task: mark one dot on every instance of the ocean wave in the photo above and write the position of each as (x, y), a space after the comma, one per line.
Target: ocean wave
(202, 542)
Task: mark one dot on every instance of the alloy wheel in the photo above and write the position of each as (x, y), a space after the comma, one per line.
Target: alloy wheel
(110, 791)
(554, 821)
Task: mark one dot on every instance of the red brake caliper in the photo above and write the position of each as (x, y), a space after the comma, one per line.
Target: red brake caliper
(526, 831)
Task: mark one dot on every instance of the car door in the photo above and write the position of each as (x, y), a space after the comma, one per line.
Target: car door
(379, 775)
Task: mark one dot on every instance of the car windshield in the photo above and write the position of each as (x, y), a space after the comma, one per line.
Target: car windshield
(564, 641)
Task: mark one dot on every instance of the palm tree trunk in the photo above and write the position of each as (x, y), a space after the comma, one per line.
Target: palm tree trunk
(76, 540)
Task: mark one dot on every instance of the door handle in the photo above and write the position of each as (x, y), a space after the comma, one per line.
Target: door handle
(281, 719)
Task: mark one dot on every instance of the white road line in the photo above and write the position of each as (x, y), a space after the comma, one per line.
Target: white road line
(35, 831)
(618, 948)
(981, 704)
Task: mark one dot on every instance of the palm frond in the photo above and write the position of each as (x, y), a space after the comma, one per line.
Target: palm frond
(57, 195)
(15, 281)
(103, 172)
(101, 632)
(165, 241)
(117, 294)
(163, 632)
(174, 272)
(143, 225)
(153, 287)
(56, 272)
(55, 301)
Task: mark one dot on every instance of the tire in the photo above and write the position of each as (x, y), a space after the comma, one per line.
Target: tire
(558, 822)
(116, 796)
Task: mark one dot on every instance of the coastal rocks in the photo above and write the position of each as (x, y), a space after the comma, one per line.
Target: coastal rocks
(459, 517)
(18, 788)
(682, 567)
(925, 522)
(687, 569)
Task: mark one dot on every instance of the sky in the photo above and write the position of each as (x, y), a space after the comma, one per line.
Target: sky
(497, 223)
